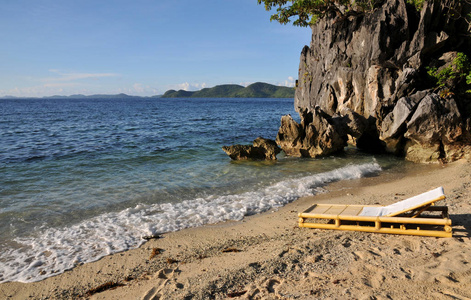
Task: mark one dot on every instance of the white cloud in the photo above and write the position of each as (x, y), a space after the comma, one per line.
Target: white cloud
(290, 82)
(245, 84)
(139, 89)
(190, 86)
(184, 86)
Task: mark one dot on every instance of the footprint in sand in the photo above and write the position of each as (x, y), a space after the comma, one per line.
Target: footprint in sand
(262, 290)
(449, 268)
(374, 277)
(359, 255)
(271, 285)
(161, 278)
(367, 254)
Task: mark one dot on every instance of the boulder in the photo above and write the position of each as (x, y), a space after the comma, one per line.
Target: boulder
(395, 124)
(268, 147)
(317, 135)
(262, 149)
(290, 136)
(323, 137)
(353, 124)
(435, 120)
(435, 127)
(422, 154)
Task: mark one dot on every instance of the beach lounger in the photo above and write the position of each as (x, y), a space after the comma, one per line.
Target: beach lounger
(414, 216)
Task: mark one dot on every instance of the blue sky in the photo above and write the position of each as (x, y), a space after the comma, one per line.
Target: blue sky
(141, 47)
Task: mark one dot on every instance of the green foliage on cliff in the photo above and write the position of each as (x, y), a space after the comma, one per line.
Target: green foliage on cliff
(454, 75)
(256, 90)
(309, 11)
(468, 78)
(417, 3)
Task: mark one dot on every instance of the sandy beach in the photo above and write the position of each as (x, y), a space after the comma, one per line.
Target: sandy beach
(268, 256)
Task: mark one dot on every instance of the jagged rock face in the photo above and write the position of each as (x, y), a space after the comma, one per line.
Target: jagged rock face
(290, 136)
(435, 123)
(355, 62)
(369, 72)
(394, 125)
(262, 149)
(317, 135)
(426, 124)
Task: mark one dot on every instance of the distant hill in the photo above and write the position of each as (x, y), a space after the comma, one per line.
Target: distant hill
(255, 90)
(177, 94)
(219, 91)
(80, 96)
(97, 96)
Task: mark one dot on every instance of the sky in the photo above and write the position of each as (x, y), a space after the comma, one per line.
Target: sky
(142, 47)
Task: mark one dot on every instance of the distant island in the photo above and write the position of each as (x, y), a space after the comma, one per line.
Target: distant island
(97, 96)
(80, 96)
(255, 90)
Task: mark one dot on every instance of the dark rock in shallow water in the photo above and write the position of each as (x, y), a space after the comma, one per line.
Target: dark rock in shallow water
(367, 74)
(262, 149)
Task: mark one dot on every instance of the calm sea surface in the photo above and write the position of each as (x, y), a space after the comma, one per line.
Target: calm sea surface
(81, 179)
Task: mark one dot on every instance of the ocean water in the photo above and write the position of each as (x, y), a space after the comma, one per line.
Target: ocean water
(81, 179)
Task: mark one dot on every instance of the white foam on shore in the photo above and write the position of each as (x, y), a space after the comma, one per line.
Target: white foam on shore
(56, 250)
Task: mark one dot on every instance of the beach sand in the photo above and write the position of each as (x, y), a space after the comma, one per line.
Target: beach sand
(268, 256)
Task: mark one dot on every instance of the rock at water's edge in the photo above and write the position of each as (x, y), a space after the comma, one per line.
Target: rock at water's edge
(262, 149)
(317, 135)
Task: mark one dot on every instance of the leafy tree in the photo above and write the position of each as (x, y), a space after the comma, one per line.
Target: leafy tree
(307, 12)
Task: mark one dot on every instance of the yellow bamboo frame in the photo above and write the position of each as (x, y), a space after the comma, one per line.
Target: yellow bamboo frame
(384, 224)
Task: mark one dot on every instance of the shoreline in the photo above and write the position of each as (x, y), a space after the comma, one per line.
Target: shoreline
(268, 256)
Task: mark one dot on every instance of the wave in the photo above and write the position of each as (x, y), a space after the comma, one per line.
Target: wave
(55, 250)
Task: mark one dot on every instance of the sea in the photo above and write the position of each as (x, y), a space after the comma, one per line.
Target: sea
(84, 178)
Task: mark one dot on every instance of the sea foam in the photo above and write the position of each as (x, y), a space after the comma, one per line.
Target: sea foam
(55, 250)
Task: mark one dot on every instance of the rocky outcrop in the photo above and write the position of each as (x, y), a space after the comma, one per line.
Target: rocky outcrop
(364, 79)
(436, 123)
(262, 149)
(317, 135)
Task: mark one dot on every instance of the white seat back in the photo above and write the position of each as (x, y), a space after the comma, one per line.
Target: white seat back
(405, 205)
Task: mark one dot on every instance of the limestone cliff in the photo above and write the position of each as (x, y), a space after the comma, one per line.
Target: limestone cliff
(364, 79)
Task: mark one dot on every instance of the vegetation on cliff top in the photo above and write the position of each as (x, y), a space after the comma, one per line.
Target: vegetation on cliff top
(307, 12)
(255, 90)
